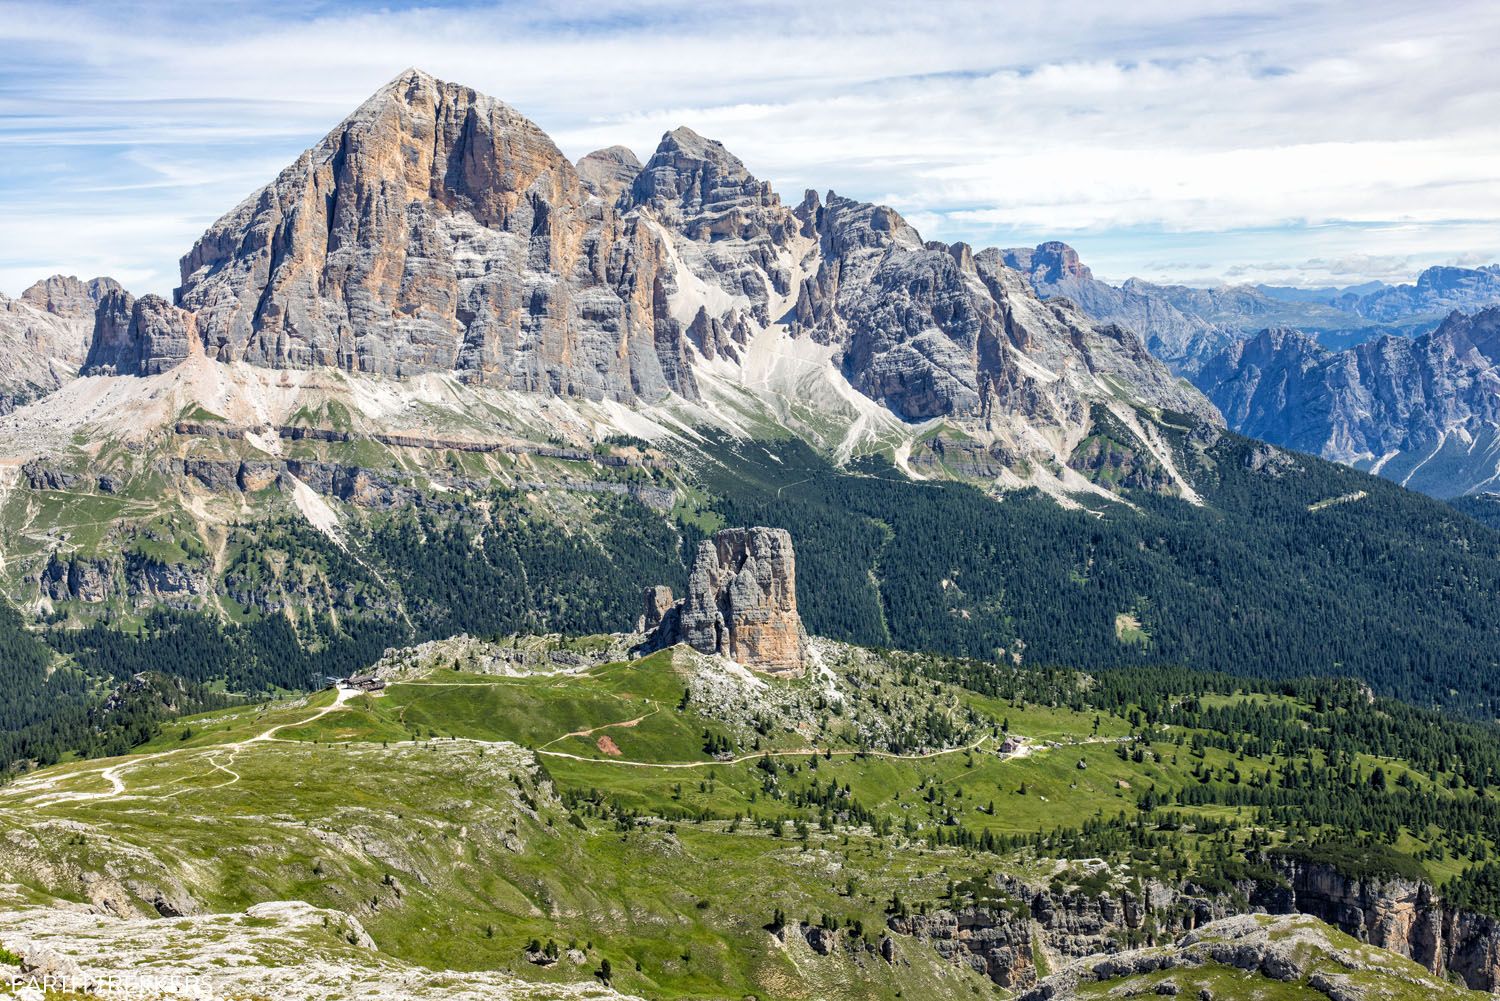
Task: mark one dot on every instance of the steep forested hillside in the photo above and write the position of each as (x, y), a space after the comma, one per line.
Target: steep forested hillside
(1292, 566)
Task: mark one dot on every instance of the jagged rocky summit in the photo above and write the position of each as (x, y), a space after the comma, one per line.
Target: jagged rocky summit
(741, 603)
(1424, 411)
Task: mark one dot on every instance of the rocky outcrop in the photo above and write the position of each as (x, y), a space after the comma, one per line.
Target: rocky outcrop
(741, 603)
(742, 600)
(150, 581)
(144, 336)
(44, 336)
(300, 432)
(143, 580)
(658, 605)
(1424, 411)
(1063, 923)
(381, 489)
(78, 579)
(40, 475)
(1405, 916)
(1286, 949)
(996, 944)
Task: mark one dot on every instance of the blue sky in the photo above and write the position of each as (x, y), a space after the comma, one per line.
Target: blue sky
(1203, 142)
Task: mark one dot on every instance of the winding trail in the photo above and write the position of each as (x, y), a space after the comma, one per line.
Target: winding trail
(757, 755)
(341, 695)
(1027, 750)
(624, 724)
(113, 774)
(38, 792)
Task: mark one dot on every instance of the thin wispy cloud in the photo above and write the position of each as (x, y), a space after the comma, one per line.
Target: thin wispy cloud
(1225, 139)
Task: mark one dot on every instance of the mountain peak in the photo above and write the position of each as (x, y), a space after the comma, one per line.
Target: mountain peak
(67, 296)
(682, 149)
(610, 170)
(1048, 263)
(698, 182)
(401, 244)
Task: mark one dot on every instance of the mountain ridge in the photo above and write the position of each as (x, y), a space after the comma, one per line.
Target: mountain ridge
(1424, 411)
(436, 231)
(1186, 326)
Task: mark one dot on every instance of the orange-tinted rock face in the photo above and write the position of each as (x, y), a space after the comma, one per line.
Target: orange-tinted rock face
(742, 600)
(658, 602)
(437, 229)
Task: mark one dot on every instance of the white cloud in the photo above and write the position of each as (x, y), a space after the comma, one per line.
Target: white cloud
(1233, 130)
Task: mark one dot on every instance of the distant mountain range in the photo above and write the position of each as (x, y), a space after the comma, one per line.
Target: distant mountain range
(1186, 326)
(1424, 411)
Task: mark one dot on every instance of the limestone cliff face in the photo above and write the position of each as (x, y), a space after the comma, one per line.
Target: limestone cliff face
(1062, 924)
(44, 335)
(144, 336)
(1402, 915)
(741, 603)
(940, 331)
(739, 246)
(437, 229)
(742, 600)
(610, 171)
(993, 943)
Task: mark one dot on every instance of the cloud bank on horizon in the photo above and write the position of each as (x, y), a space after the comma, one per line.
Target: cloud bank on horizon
(1209, 141)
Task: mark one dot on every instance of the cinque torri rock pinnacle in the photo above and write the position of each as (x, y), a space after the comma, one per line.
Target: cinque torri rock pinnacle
(741, 602)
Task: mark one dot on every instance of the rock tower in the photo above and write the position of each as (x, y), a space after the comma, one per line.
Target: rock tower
(741, 602)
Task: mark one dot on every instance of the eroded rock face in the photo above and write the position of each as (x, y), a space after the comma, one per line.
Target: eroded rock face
(741, 602)
(78, 579)
(44, 335)
(933, 330)
(1404, 916)
(437, 229)
(609, 171)
(150, 582)
(995, 944)
(144, 336)
(1420, 410)
(658, 602)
